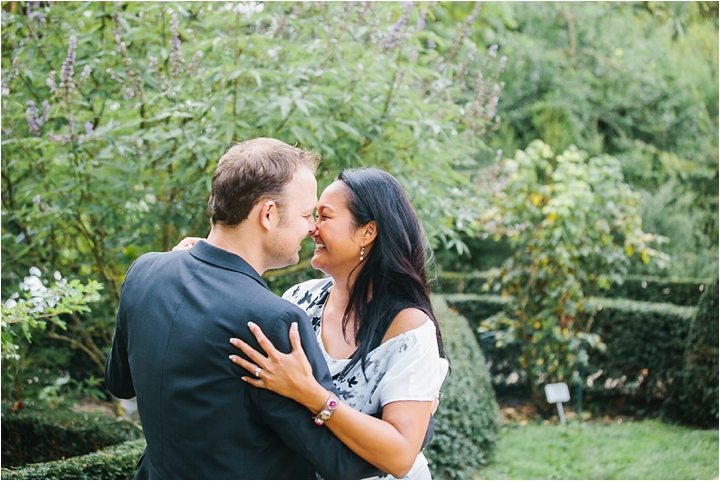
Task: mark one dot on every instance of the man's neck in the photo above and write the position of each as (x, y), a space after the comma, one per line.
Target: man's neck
(239, 242)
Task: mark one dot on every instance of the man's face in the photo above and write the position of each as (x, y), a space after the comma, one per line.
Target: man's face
(297, 220)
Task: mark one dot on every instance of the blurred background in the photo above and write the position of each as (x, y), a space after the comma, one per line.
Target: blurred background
(562, 157)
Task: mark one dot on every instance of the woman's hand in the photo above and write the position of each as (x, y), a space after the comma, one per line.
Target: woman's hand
(187, 243)
(289, 375)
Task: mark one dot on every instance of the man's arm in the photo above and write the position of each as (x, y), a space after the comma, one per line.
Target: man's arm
(294, 423)
(117, 368)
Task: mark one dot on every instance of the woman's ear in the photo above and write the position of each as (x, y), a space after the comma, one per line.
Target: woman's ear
(369, 232)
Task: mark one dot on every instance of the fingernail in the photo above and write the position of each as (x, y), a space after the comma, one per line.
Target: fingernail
(294, 326)
(233, 340)
(251, 325)
(231, 357)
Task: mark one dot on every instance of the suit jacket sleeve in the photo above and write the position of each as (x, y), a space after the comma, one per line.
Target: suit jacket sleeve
(117, 367)
(293, 422)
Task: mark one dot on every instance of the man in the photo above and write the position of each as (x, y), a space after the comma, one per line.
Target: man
(178, 311)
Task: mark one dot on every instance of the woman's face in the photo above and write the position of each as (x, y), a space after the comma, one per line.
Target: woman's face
(337, 241)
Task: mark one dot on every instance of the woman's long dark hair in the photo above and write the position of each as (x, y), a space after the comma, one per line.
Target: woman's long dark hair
(394, 269)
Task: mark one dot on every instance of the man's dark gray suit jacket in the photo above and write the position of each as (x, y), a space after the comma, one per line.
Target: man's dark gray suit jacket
(177, 312)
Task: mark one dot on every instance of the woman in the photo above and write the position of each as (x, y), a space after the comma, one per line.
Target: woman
(374, 323)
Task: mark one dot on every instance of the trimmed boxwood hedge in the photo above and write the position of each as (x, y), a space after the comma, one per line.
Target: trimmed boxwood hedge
(680, 291)
(476, 307)
(33, 434)
(460, 282)
(683, 292)
(645, 352)
(644, 355)
(115, 462)
(507, 376)
(466, 423)
(695, 398)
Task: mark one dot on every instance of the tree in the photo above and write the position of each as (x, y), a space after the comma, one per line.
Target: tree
(574, 228)
(637, 81)
(114, 115)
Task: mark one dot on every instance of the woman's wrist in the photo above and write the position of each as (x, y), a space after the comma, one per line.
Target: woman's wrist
(328, 409)
(315, 399)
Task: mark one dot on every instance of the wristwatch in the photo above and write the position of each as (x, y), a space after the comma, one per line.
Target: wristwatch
(330, 406)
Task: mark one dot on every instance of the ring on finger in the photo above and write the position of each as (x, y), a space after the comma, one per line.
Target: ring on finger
(257, 371)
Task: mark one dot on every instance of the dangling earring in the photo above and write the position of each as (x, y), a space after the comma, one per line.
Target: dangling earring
(362, 253)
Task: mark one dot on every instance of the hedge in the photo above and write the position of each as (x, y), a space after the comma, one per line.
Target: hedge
(116, 462)
(460, 282)
(645, 351)
(33, 434)
(683, 292)
(466, 423)
(507, 376)
(476, 307)
(680, 291)
(695, 398)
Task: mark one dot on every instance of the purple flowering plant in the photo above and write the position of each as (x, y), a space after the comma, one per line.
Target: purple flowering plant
(115, 114)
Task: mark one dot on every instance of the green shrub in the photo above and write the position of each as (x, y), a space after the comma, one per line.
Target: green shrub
(32, 434)
(460, 282)
(695, 398)
(476, 307)
(645, 351)
(683, 292)
(508, 377)
(467, 419)
(115, 462)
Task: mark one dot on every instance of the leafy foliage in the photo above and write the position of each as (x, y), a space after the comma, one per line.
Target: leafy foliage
(60, 305)
(646, 368)
(637, 81)
(467, 419)
(34, 434)
(574, 227)
(116, 462)
(671, 290)
(114, 115)
(644, 357)
(695, 396)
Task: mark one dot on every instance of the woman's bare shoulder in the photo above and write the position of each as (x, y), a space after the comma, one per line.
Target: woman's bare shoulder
(407, 320)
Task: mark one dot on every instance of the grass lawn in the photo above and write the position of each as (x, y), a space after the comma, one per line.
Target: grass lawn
(646, 449)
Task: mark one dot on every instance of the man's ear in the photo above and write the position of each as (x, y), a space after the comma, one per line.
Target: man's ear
(269, 214)
(369, 232)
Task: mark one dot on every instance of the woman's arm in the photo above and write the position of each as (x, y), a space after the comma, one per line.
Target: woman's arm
(391, 443)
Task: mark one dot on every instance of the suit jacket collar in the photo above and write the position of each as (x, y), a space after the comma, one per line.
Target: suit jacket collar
(226, 260)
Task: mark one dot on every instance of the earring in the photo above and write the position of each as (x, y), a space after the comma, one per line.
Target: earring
(362, 253)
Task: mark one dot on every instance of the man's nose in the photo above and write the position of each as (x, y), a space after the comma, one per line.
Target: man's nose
(313, 228)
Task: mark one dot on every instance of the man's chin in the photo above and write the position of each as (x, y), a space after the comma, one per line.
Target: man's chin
(285, 263)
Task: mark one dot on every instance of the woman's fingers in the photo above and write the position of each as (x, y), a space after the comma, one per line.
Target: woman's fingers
(255, 356)
(186, 243)
(264, 342)
(295, 341)
(244, 363)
